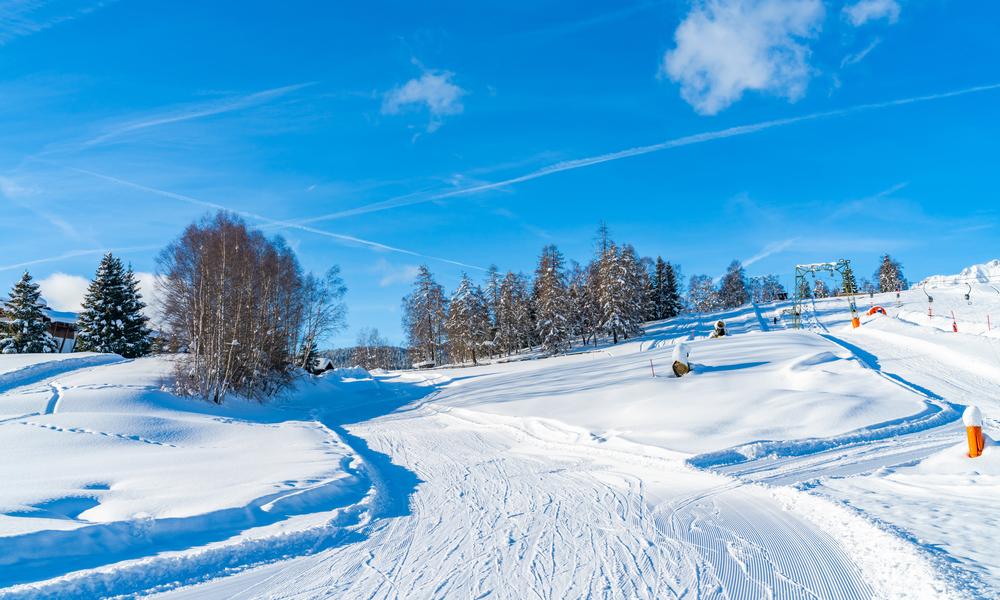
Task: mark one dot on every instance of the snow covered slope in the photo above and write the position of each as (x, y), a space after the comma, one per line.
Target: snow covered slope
(101, 466)
(788, 464)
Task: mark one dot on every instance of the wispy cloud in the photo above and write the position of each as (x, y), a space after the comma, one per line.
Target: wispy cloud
(21, 18)
(343, 238)
(768, 250)
(19, 195)
(866, 205)
(580, 163)
(855, 58)
(75, 254)
(199, 111)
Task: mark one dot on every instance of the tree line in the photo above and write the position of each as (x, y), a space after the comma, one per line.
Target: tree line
(611, 296)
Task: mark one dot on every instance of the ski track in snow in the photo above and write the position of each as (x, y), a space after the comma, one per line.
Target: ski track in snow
(507, 511)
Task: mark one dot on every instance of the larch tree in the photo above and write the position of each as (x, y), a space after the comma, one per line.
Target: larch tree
(468, 323)
(733, 286)
(491, 293)
(425, 312)
(514, 314)
(702, 295)
(552, 307)
(24, 327)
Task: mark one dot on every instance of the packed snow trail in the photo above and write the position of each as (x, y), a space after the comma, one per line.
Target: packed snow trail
(505, 513)
(520, 508)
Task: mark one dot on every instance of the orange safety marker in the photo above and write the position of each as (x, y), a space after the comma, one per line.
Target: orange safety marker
(855, 322)
(973, 420)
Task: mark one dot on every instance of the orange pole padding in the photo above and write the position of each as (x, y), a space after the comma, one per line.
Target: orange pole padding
(976, 442)
(973, 420)
(855, 322)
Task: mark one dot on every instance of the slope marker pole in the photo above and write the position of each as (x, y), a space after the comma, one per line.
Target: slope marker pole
(651, 367)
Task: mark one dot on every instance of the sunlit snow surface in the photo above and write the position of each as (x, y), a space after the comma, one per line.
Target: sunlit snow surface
(823, 463)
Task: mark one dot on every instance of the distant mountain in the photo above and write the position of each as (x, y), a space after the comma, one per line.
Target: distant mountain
(988, 272)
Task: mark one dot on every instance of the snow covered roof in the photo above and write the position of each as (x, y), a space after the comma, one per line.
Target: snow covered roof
(322, 363)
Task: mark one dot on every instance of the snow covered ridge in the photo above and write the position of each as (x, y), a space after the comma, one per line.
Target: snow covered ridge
(988, 272)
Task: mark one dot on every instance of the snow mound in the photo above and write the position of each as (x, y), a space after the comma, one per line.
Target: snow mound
(988, 272)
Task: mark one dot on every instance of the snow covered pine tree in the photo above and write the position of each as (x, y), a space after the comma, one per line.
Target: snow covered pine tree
(468, 322)
(890, 275)
(112, 319)
(552, 305)
(23, 329)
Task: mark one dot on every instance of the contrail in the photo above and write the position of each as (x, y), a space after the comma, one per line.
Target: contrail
(203, 110)
(337, 236)
(688, 140)
(74, 254)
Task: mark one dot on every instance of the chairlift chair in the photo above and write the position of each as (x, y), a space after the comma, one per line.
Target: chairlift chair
(968, 298)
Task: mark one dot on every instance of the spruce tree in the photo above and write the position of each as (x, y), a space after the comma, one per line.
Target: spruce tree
(849, 283)
(25, 329)
(111, 319)
(659, 289)
(672, 304)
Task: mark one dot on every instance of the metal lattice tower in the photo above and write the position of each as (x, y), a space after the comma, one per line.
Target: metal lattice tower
(801, 271)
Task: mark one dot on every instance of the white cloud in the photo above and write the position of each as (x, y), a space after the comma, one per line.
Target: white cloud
(871, 10)
(433, 90)
(64, 292)
(147, 287)
(394, 274)
(726, 47)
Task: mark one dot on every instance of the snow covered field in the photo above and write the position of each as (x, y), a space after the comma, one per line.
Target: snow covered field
(826, 463)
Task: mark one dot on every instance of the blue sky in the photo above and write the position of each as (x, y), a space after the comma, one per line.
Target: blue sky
(381, 135)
